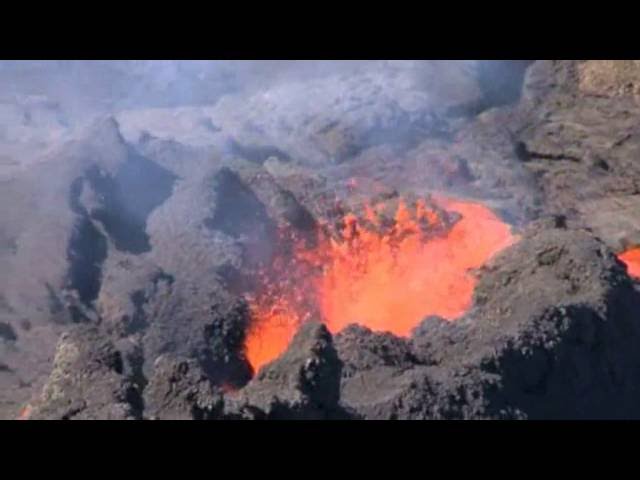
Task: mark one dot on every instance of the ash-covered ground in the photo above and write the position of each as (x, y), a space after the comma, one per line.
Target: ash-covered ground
(135, 197)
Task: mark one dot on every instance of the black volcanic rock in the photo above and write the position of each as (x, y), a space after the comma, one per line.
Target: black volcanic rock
(303, 383)
(555, 323)
(151, 240)
(552, 334)
(179, 390)
(378, 368)
(201, 323)
(7, 332)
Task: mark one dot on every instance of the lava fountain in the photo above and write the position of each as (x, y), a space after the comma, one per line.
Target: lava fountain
(383, 270)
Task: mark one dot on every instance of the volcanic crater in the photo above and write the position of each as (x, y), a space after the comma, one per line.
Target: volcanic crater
(408, 240)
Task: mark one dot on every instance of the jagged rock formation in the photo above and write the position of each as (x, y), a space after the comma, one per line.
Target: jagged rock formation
(302, 384)
(551, 335)
(139, 237)
(88, 382)
(179, 390)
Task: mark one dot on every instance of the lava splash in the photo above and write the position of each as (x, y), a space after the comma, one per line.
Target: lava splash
(383, 270)
(631, 258)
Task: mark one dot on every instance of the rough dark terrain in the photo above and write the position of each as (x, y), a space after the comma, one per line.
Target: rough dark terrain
(126, 245)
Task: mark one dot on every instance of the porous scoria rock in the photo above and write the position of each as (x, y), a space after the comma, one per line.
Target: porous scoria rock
(577, 133)
(303, 383)
(179, 390)
(555, 327)
(610, 77)
(615, 219)
(87, 381)
(379, 369)
(212, 333)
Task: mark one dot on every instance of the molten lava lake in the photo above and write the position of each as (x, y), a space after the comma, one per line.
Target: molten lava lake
(385, 272)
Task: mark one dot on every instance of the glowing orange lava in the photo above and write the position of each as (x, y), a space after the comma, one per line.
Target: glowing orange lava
(384, 273)
(392, 287)
(631, 258)
(25, 413)
(271, 332)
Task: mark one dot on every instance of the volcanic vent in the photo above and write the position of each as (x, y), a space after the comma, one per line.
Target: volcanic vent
(396, 243)
(385, 265)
